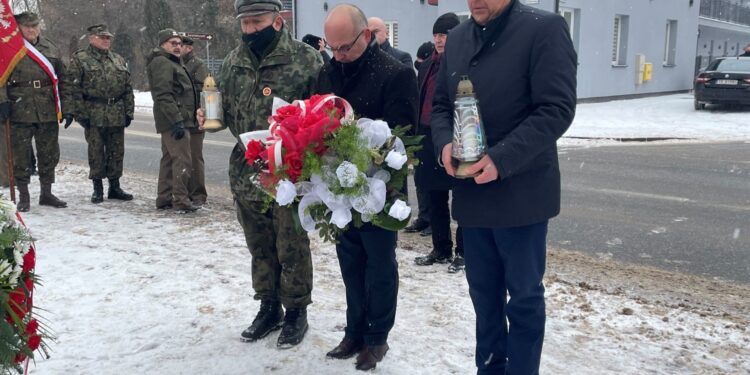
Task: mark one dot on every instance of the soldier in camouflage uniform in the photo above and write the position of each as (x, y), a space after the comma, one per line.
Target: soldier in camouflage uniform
(98, 93)
(198, 72)
(33, 115)
(267, 64)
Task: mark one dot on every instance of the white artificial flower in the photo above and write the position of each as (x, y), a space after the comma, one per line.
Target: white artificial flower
(396, 160)
(373, 199)
(341, 218)
(306, 220)
(399, 211)
(285, 193)
(382, 175)
(348, 174)
(374, 133)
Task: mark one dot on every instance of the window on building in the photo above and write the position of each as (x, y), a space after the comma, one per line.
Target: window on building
(620, 40)
(392, 33)
(572, 17)
(670, 43)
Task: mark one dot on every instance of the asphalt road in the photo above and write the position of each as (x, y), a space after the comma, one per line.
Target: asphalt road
(680, 207)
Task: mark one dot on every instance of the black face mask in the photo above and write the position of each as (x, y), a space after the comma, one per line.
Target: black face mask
(259, 41)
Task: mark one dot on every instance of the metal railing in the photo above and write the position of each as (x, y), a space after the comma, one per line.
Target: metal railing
(726, 10)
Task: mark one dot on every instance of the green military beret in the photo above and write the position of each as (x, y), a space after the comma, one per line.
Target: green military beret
(27, 19)
(99, 30)
(168, 34)
(249, 8)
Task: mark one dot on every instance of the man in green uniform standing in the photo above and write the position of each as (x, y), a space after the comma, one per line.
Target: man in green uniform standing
(33, 115)
(198, 72)
(98, 93)
(174, 113)
(267, 64)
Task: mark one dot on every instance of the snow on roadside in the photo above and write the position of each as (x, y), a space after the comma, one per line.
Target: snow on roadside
(129, 289)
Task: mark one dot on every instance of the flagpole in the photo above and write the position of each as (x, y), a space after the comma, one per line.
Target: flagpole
(9, 146)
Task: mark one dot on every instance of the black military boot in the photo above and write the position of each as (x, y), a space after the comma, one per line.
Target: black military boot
(433, 257)
(269, 319)
(293, 331)
(23, 198)
(98, 195)
(115, 192)
(46, 198)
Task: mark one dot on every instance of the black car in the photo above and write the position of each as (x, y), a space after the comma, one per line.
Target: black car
(726, 80)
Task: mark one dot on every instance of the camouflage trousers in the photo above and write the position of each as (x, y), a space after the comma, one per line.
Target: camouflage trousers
(47, 150)
(281, 264)
(106, 151)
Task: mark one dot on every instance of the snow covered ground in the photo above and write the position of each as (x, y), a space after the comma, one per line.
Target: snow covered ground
(132, 290)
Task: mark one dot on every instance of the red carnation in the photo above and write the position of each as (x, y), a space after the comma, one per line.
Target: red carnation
(287, 111)
(34, 342)
(20, 357)
(254, 148)
(32, 327)
(29, 261)
(293, 163)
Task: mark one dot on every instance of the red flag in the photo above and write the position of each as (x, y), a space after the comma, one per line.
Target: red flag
(12, 48)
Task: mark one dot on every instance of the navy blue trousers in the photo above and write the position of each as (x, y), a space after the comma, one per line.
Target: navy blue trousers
(500, 263)
(370, 272)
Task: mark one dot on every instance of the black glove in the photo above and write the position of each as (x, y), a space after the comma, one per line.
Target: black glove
(68, 119)
(4, 111)
(84, 122)
(178, 131)
(128, 120)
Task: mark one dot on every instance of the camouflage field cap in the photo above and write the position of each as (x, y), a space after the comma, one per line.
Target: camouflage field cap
(27, 19)
(249, 8)
(168, 34)
(99, 30)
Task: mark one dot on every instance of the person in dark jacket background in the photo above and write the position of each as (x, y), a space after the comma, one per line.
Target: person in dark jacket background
(429, 177)
(316, 42)
(380, 34)
(378, 87)
(198, 72)
(174, 111)
(423, 53)
(522, 64)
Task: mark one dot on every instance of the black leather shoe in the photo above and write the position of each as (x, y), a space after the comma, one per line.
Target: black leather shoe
(369, 357)
(116, 192)
(457, 265)
(432, 258)
(417, 226)
(293, 331)
(98, 195)
(269, 319)
(347, 348)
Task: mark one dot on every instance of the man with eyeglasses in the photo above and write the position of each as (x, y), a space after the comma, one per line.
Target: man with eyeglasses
(378, 87)
(175, 103)
(198, 72)
(381, 33)
(100, 96)
(268, 63)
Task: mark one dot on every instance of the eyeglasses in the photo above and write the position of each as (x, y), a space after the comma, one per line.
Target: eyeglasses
(346, 47)
(175, 44)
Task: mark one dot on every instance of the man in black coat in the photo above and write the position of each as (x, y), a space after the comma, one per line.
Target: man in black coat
(429, 177)
(378, 87)
(380, 33)
(522, 64)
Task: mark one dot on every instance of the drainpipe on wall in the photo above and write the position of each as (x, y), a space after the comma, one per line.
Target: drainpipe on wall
(557, 6)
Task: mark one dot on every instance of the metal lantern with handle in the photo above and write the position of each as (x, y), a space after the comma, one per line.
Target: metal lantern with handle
(211, 105)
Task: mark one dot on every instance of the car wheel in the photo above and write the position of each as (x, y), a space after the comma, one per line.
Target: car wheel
(698, 105)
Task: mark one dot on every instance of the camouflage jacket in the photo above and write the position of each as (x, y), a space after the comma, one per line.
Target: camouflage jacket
(172, 90)
(288, 71)
(197, 70)
(29, 88)
(97, 88)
